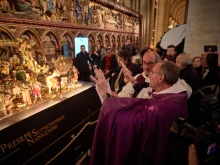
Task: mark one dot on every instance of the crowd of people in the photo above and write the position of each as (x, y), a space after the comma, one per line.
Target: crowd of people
(145, 98)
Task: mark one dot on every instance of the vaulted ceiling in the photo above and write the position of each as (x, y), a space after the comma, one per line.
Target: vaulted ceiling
(177, 12)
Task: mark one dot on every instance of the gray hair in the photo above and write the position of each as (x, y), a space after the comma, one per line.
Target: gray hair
(171, 72)
(157, 57)
(184, 58)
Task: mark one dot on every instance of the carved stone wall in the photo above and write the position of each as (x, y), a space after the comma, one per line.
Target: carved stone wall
(54, 22)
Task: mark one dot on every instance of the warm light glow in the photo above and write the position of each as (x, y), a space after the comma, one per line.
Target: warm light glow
(170, 27)
(153, 30)
(46, 104)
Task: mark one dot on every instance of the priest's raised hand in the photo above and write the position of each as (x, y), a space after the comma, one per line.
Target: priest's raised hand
(102, 84)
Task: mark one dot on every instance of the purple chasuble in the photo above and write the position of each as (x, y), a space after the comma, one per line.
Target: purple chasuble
(133, 131)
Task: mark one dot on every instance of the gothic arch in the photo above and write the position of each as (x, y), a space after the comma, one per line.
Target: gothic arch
(99, 39)
(51, 45)
(79, 34)
(69, 36)
(6, 34)
(31, 34)
(129, 37)
(54, 37)
(91, 42)
(107, 40)
(67, 44)
(118, 40)
(125, 37)
(113, 40)
(113, 43)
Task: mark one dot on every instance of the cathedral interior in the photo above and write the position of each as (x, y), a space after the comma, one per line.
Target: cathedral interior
(38, 34)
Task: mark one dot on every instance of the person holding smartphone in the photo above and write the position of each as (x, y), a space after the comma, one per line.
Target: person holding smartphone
(96, 58)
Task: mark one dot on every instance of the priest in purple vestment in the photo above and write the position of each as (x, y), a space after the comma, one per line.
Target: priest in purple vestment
(137, 131)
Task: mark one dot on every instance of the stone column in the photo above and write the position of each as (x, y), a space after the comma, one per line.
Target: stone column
(203, 26)
(133, 4)
(160, 20)
(129, 4)
(137, 7)
(146, 21)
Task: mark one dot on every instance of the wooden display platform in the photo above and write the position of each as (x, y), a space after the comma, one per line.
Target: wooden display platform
(37, 135)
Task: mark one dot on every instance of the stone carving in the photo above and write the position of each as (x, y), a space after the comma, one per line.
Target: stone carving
(136, 26)
(118, 21)
(47, 8)
(4, 6)
(72, 12)
(61, 11)
(100, 13)
(81, 12)
(21, 6)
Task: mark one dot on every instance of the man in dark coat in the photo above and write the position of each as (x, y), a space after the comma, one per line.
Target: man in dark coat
(137, 131)
(109, 63)
(208, 74)
(82, 64)
(128, 46)
(187, 72)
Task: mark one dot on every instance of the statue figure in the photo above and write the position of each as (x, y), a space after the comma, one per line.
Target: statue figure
(72, 12)
(4, 6)
(14, 62)
(8, 102)
(25, 91)
(99, 17)
(118, 21)
(48, 9)
(2, 109)
(36, 90)
(5, 69)
(61, 10)
(50, 81)
(94, 18)
(136, 26)
(25, 50)
(21, 6)
(16, 90)
(72, 77)
(75, 75)
(78, 10)
(30, 64)
(42, 60)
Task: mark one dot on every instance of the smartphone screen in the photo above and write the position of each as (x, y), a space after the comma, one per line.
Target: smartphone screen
(211, 48)
(211, 149)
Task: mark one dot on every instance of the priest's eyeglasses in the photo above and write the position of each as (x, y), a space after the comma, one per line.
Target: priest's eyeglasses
(150, 64)
(152, 72)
